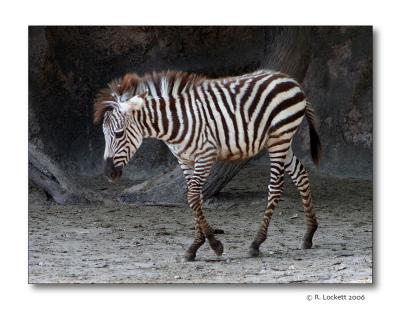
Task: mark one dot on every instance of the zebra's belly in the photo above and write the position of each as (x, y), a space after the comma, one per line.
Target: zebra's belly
(243, 146)
(241, 138)
(241, 151)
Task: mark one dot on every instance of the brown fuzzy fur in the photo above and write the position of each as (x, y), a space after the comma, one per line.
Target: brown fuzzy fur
(134, 84)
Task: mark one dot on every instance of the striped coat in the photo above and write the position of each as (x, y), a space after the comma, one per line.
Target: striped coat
(204, 120)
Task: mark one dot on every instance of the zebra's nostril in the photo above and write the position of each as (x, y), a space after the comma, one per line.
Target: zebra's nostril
(109, 170)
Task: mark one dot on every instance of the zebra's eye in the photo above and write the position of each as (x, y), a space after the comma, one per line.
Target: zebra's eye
(119, 134)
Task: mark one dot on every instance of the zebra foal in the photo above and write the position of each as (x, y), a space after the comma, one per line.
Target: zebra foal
(203, 120)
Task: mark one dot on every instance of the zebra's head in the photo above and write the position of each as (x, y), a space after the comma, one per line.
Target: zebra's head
(122, 133)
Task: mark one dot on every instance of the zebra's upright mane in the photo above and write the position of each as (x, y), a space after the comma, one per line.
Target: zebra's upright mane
(159, 84)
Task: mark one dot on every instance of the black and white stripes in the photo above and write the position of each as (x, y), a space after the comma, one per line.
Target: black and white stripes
(204, 120)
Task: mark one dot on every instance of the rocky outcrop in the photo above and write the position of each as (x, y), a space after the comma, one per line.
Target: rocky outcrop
(67, 66)
(338, 82)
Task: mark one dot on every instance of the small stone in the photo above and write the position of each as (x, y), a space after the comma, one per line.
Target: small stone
(276, 269)
(291, 267)
(177, 277)
(228, 260)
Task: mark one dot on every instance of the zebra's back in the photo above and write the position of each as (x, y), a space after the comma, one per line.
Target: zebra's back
(241, 112)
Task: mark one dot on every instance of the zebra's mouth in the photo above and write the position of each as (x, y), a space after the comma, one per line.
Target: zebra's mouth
(112, 173)
(115, 177)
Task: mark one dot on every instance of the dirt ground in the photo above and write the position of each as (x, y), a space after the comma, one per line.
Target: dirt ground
(121, 243)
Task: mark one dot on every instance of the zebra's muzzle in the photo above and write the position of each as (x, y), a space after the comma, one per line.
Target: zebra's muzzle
(112, 173)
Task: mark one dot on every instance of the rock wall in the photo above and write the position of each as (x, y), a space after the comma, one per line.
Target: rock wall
(338, 82)
(67, 66)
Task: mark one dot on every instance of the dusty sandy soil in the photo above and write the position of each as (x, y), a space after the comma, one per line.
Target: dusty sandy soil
(120, 243)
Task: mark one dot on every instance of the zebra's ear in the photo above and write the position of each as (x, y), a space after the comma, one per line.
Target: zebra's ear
(144, 95)
(135, 103)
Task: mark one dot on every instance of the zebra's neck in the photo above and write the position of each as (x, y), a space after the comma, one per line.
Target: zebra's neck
(153, 119)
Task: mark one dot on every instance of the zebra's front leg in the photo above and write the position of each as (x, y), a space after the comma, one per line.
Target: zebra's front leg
(195, 200)
(199, 240)
(187, 169)
(275, 189)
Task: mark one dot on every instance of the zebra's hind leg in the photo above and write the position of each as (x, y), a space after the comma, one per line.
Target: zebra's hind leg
(275, 189)
(299, 175)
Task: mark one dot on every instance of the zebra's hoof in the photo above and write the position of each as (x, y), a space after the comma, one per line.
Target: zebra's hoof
(307, 244)
(189, 257)
(218, 247)
(253, 252)
(218, 231)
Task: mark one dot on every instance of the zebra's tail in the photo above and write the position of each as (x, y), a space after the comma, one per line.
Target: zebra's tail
(315, 143)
